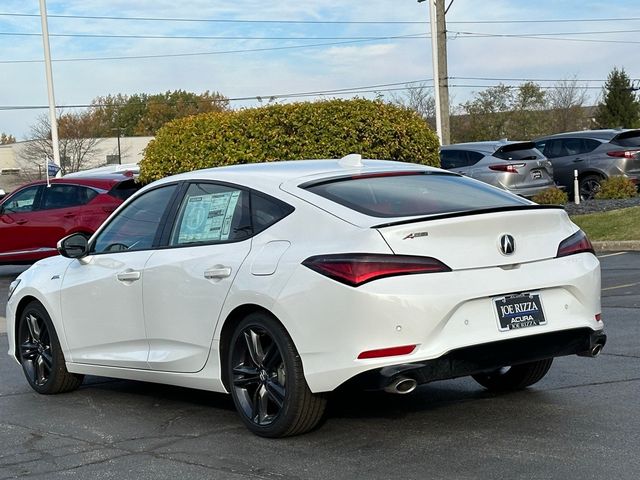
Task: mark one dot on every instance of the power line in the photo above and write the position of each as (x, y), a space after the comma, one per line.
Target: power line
(320, 93)
(316, 22)
(415, 36)
(195, 54)
(536, 37)
(419, 36)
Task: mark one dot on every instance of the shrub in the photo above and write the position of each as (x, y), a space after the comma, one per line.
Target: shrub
(616, 187)
(551, 196)
(326, 129)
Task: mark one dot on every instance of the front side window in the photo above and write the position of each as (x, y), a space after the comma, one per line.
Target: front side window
(22, 201)
(135, 227)
(212, 213)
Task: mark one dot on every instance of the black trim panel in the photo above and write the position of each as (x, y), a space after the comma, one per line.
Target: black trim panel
(467, 213)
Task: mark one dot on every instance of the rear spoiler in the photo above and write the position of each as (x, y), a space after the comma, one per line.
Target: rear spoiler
(467, 213)
(627, 134)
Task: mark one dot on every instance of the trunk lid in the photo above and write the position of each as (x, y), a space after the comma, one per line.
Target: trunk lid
(473, 239)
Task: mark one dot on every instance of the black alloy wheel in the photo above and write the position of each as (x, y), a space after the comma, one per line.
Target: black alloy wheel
(589, 186)
(40, 354)
(267, 382)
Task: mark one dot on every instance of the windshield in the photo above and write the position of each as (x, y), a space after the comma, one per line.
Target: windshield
(391, 194)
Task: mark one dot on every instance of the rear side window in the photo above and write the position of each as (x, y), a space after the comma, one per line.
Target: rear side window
(66, 196)
(453, 159)
(412, 194)
(627, 139)
(265, 211)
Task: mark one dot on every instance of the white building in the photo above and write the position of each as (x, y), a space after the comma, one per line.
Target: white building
(15, 167)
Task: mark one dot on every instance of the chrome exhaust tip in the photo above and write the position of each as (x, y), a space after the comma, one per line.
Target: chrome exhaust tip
(401, 386)
(597, 348)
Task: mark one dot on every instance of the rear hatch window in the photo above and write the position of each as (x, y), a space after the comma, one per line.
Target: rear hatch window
(125, 189)
(405, 194)
(627, 139)
(518, 151)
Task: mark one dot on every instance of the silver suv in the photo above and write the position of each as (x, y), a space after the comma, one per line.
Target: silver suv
(596, 154)
(517, 167)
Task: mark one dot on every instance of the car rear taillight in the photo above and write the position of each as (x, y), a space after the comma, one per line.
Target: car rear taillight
(354, 269)
(507, 167)
(576, 243)
(624, 153)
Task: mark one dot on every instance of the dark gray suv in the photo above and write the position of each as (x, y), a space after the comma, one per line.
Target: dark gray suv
(596, 154)
(517, 167)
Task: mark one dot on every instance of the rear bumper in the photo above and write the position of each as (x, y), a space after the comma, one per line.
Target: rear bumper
(487, 357)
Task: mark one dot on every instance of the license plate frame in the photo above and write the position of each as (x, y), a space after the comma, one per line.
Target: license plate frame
(519, 310)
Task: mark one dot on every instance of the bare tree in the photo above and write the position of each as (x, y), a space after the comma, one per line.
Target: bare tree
(420, 99)
(77, 144)
(566, 102)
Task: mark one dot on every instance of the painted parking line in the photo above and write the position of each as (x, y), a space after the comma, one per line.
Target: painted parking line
(611, 254)
(621, 286)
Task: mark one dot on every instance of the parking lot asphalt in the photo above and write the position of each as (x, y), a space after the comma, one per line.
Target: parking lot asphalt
(582, 421)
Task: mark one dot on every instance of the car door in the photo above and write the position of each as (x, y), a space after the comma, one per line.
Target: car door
(18, 225)
(186, 283)
(562, 153)
(61, 208)
(101, 294)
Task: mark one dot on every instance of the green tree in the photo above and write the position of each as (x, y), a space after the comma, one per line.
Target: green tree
(327, 129)
(619, 106)
(143, 114)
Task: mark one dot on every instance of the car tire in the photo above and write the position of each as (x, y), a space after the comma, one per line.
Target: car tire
(40, 354)
(515, 377)
(589, 186)
(267, 381)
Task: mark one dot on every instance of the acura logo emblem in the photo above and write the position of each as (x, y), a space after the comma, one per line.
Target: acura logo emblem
(507, 245)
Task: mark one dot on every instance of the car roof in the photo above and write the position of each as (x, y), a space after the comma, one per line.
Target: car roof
(268, 177)
(488, 146)
(603, 134)
(102, 182)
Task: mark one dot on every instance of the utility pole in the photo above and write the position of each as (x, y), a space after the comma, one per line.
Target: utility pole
(440, 71)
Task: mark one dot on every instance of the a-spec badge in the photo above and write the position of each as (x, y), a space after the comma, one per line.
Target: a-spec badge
(507, 245)
(416, 235)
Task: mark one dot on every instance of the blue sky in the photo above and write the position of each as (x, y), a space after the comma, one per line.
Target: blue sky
(293, 70)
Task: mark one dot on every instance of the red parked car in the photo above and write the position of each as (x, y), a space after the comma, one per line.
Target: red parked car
(34, 217)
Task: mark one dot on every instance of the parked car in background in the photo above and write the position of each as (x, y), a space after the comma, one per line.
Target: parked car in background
(596, 154)
(517, 167)
(280, 282)
(34, 217)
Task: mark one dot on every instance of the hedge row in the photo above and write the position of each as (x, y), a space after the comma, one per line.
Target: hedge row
(327, 129)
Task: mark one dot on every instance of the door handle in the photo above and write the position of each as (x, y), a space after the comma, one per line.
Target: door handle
(21, 221)
(129, 276)
(69, 215)
(578, 160)
(217, 272)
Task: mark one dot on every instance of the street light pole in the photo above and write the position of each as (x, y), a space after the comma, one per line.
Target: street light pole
(52, 102)
(118, 131)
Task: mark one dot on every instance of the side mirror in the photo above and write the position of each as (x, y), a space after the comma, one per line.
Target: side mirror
(73, 246)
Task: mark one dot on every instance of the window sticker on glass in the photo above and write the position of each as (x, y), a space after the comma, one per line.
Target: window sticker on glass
(208, 217)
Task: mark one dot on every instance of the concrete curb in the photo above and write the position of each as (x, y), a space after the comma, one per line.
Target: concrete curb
(617, 245)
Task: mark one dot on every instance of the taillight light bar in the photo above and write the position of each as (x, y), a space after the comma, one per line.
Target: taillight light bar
(507, 167)
(576, 243)
(624, 153)
(355, 269)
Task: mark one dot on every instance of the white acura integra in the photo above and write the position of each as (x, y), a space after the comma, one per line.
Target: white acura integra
(280, 282)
